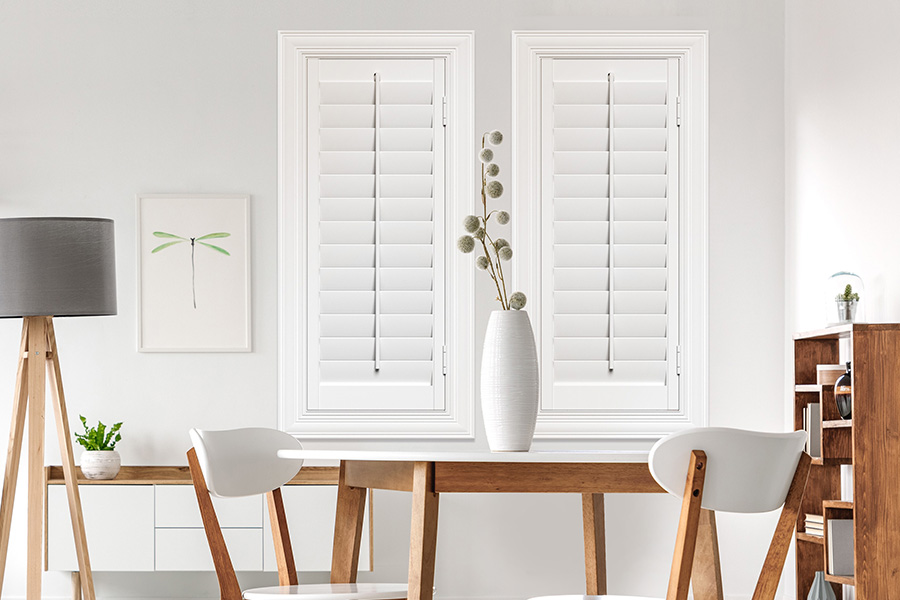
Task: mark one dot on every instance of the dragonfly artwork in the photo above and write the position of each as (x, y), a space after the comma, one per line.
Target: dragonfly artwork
(177, 239)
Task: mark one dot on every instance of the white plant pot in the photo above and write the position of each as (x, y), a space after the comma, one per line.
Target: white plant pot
(100, 464)
(509, 381)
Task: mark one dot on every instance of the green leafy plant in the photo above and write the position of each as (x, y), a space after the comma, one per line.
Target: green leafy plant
(194, 240)
(98, 438)
(494, 251)
(848, 296)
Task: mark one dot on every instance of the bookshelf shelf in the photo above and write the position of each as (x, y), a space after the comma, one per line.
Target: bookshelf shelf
(813, 539)
(866, 443)
(808, 388)
(840, 579)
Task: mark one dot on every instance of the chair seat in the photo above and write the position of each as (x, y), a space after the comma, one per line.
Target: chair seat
(330, 591)
(573, 597)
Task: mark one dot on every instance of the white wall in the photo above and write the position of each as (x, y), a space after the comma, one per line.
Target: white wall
(843, 124)
(101, 99)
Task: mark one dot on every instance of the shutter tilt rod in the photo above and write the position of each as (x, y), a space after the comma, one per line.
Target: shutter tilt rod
(377, 222)
(612, 229)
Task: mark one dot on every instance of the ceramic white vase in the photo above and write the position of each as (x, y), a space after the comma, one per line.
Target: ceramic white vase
(509, 381)
(820, 589)
(100, 464)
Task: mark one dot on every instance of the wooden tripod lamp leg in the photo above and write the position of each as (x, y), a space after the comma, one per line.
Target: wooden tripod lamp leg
(37, 382)
(68, 465)
(14, 453)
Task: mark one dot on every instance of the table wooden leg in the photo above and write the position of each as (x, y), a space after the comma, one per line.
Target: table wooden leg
(707, 573)
(594, 543)
(423, 533)
(348, 522)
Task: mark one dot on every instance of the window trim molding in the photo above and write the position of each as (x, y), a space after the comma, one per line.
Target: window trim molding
(528, 48)
(457, 420)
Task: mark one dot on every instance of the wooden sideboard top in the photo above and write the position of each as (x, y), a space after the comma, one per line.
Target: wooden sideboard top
(171, 475)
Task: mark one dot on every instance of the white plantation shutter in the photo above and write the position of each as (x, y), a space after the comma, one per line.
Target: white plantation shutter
(375, 237)
(609, 234)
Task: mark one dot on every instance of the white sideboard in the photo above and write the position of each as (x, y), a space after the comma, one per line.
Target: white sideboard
(147, 519)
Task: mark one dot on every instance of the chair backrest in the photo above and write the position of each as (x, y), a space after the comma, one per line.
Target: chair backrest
(731, 470)
(243, 462)
(747, 471)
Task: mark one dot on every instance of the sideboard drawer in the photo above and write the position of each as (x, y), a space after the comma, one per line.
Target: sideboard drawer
(118, 523)
(188, 550)
(176, 506)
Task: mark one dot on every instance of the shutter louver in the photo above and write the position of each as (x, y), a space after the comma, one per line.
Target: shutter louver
(375, 256)
(608, 232)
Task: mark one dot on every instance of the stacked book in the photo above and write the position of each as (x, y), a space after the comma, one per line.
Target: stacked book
(815, 525)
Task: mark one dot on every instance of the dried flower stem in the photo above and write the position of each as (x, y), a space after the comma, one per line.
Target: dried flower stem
(495, 272)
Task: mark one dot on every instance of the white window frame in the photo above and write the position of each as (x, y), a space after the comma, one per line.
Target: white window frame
(457, 419)
(690, 47)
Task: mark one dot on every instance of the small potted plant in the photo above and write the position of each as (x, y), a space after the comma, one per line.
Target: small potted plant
(846, 304)
(100, 459)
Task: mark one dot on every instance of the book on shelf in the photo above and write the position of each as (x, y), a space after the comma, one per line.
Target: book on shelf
(847, 483)
(840, 547)
(814, 525)
(814, 518)
(812, 425)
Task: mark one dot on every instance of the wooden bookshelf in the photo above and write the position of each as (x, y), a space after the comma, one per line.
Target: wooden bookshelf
(869, 442)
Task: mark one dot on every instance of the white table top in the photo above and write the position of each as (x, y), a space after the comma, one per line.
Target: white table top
(580, 456)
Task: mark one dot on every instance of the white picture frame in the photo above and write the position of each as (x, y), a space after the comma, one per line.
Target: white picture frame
(193, 272)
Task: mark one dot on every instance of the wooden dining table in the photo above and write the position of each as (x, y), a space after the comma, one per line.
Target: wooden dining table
(428, 474)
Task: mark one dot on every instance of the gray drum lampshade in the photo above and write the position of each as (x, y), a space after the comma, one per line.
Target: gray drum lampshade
(57, 266)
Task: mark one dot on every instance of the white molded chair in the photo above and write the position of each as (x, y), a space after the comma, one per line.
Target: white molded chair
(731, 470)
(243, 462)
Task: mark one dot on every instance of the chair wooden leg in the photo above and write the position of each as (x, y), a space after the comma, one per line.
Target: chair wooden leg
(14, 452)
(767, 585)
(229, 589)
(594, 543)
(706, 578)
(348, 522)
(423, 533)
(683, 561)
(86, 578)
(284, 554)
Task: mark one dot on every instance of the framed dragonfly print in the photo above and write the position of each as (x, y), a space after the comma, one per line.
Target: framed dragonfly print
(193, 273)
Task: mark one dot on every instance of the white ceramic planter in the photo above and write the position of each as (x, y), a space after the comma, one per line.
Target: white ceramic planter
(100, 464)
(509, 381)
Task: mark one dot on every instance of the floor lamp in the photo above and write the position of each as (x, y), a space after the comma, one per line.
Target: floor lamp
(49, 267)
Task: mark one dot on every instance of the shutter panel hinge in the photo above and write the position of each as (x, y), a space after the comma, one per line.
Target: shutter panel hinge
(444, 359)
(678, 360)
(678, 111)
(444, 110)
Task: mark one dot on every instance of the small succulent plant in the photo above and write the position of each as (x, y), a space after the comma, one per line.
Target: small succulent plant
(848, 296)
(494, 251)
